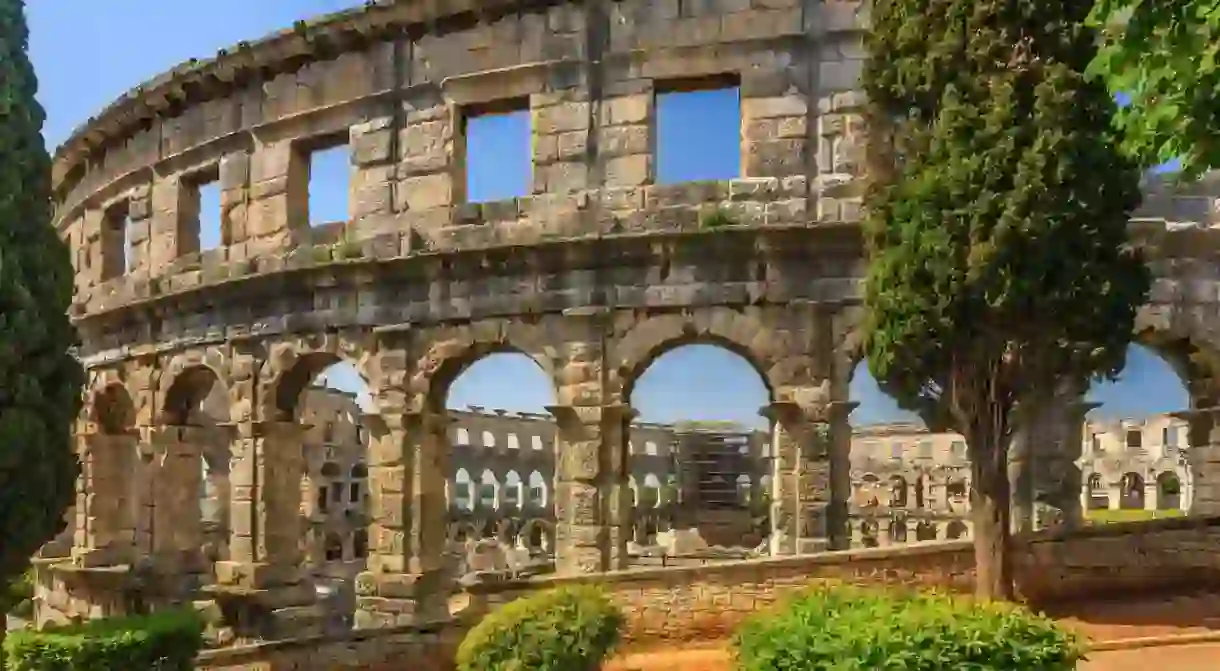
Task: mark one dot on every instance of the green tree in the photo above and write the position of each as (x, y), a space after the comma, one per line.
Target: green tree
(999, 261)
(1163, 56)
(40, 380)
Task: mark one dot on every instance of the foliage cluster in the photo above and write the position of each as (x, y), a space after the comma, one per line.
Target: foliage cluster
(16, 597)
(857, 629)
(40, 379)
(999, 260)
(1161, 57)
(565, 629)
(165, 641)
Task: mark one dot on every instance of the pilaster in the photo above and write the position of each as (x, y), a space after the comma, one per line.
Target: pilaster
(593, 503)
(1204, 459)
(405, 581)
(811, 476)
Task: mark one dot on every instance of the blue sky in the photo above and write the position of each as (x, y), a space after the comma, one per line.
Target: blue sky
(88, 52)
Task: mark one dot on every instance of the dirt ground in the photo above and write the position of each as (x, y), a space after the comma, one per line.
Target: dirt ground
(1099, 621)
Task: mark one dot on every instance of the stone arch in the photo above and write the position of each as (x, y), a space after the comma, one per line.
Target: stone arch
(185, 392)
(925, 531)
(293, 364)
(898, 491)
(513, 488)
(956, 529)
(1131, 491)
(869, 533)
(488, 479)
(451, 354)
(113, 409)
(536, 535)
(332, 548)
(728, 329)
(1168, 491)
(1096, 496)
(897, 531)
(463, 490)
(539, 491)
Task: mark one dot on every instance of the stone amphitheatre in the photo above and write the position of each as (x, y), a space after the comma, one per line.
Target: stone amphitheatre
(595, 273)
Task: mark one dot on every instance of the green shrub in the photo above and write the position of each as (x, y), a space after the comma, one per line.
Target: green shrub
(166, 641)
(856, 629)
(566, 629)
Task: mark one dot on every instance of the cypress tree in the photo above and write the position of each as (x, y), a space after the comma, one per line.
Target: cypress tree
(1000, 267)
(40, 380)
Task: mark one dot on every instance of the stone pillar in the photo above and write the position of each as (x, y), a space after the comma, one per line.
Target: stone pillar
(262, 588)
(105, 500)
(406, 580)
(1203, 458)
(811, 481)
(175, 478)
(1151, 494)
(593, 510)
(1043, 464)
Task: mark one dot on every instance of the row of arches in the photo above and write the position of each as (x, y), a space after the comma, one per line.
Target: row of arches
(701, 383)
(1134, 492)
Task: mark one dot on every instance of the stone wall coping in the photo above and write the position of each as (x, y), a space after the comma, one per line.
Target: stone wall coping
(222, 655)
(765, 564)
(198, 80)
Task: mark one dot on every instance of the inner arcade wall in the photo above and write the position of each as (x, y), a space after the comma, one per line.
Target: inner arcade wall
(594, 272)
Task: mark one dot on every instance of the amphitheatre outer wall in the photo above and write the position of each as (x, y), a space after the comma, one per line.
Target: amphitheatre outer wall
(593, 274)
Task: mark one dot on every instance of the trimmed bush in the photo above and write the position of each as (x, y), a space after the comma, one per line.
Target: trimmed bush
(166, 641)
(856, 629)
(565, 629)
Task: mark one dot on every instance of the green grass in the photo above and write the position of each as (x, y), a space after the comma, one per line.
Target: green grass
(1111, 516)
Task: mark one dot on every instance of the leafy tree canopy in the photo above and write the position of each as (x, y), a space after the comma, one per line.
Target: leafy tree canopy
(40, 381)
(1000, 261)
(1162, 56)
(1000, 268)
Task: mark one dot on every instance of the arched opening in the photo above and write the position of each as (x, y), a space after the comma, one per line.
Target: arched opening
(898, 491)
(701, 441)
(463, 490)
(196, 407)
(906, 465)
(497, 399)
(107, 466)
(925, 531)
(331, 404)
(956, 529)
(1131, 492)
(489, 491)
(897, 531)
(1168, 491)
(333, 547)
(538, 494)
(1135, 429)
(1096, 496)
(868, 533)
(512, 490)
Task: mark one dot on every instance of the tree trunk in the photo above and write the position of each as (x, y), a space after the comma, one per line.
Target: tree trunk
(989, 505)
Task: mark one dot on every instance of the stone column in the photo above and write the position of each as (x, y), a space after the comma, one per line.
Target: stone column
(593, 511)
(811, 482)
(264, 578)
(105, 500)
(406, 581)
(1203, 459)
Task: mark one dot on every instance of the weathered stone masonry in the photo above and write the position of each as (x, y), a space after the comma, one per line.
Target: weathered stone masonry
(593, 274)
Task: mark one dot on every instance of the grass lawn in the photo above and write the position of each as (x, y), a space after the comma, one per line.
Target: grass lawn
(1110, 516)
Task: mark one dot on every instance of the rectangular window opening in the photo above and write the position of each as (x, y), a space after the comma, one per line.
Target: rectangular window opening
(698, 129)
(327, 174)
(117, 249)
(202, 227)
(1135, 438)
(496, 150)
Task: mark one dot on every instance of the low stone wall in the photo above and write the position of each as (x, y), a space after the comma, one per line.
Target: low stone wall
(706, 602)
(689, 603)
(415, 648)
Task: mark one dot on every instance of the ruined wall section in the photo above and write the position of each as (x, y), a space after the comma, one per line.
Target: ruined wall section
(588, 74)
